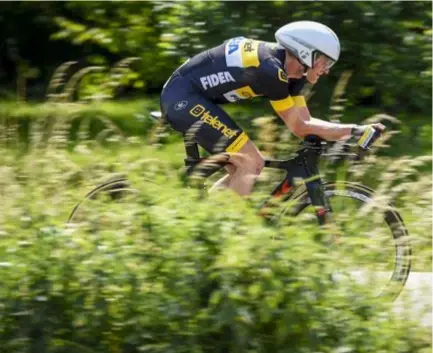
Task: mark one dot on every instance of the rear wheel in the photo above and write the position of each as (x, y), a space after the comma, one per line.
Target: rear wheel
(375, 242)
(104, 200)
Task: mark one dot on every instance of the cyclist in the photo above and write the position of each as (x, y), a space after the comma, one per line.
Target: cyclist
(243, 68)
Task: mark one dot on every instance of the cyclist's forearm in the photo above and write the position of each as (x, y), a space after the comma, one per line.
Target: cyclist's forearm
(325, 129)
(300, 123)
(303, 126)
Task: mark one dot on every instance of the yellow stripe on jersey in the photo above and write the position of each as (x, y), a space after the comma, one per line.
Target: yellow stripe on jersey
(245, 92)
(282, 104)
(299, 101)
(250, 53)
(237, 144)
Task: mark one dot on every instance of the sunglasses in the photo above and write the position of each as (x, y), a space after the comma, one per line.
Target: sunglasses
(328, 61)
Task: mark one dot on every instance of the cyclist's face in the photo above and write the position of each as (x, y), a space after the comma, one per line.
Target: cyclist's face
(294, 69)
(321, 67)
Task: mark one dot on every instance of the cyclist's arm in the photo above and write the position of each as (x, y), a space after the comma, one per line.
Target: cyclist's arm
(286, 100)
(299, 121)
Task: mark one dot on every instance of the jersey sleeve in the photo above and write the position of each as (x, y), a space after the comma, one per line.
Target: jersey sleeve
(274, 83)
(295, 91)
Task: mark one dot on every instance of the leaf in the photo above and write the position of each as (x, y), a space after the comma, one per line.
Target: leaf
(255, 290)
(215, 298)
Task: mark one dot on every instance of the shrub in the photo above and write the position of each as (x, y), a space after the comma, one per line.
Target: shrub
(175, 272)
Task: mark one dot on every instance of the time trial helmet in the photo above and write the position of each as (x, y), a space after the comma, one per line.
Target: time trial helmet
(307, 40)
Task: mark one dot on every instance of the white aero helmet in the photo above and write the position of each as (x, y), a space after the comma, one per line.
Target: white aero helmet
(308, 39)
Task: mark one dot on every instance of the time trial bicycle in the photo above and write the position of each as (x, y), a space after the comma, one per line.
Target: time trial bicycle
(377, 228)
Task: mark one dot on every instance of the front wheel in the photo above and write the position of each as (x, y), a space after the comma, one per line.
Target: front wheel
(375, 241)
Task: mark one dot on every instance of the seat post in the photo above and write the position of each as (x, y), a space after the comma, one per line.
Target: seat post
(191, 150)
(191, 147)
(192, 153)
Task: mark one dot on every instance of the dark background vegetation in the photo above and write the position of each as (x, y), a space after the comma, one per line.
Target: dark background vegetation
(386, 44)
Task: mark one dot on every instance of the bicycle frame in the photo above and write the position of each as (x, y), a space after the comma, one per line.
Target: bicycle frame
(302, 172)
(302, 169)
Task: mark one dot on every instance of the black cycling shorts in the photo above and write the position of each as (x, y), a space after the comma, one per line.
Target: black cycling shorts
(200, 119)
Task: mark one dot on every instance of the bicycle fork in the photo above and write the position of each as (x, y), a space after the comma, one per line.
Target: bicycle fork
(323, 211)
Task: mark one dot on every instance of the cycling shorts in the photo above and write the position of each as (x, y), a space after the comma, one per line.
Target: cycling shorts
(198, 118)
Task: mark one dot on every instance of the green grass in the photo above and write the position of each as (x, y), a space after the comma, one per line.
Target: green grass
(193, 273)
(34, 110)
(130, 118)
(74, 173)
(172, 270)
(21, 123)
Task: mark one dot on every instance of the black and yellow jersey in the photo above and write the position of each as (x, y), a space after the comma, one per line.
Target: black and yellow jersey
(243, 68)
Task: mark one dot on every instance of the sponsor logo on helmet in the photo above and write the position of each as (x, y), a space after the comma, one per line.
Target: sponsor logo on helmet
(282, 76)
(180, 105)
(200, 111)
(303, 54)
(216, 79)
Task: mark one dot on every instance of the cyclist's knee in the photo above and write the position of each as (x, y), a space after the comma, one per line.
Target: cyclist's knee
(248, 159)
(256, 165)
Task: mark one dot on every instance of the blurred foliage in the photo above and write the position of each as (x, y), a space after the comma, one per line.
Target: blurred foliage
(170, 272)
(131, 117)
(386, 44)
(113, 137)
(70, 123)
(92, 83)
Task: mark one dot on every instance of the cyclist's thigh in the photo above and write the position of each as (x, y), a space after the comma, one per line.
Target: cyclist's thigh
(202, 120)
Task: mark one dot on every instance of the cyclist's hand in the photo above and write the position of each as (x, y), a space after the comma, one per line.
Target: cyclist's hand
(367, 134)
(359, 129)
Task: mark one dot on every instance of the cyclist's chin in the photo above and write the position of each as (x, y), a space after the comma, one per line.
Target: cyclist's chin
(296, 75)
